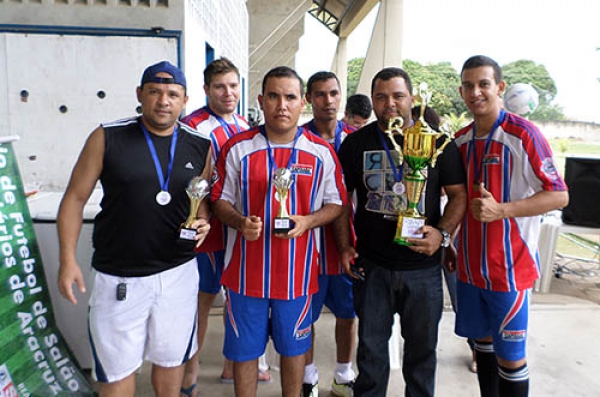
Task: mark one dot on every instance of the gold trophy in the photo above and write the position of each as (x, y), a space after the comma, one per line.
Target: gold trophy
(282, 181)
(197, 190)
(418, 150)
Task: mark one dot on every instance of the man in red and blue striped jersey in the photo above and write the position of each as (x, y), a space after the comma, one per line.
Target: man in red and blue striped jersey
(217, 121)
(335, 287)
(270, 277)
(511, 180)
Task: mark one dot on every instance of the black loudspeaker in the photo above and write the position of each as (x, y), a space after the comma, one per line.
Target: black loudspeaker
(582, 175)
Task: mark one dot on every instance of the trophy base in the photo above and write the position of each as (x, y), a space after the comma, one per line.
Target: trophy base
(186, 237)
(407, 228)
(282, 225)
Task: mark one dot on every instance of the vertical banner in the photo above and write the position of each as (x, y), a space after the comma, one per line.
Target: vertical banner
(34, 358)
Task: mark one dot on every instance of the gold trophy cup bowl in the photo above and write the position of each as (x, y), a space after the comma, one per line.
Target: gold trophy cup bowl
(418, 150)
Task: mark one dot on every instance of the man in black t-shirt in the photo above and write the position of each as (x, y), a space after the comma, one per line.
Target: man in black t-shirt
(398, 279)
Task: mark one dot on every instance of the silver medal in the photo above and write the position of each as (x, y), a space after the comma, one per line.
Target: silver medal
(163, 197)
(398, 188)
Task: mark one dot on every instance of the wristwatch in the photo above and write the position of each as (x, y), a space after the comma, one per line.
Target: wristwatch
(445, 237)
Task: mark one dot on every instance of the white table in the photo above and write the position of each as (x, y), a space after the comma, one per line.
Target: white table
(549, 231)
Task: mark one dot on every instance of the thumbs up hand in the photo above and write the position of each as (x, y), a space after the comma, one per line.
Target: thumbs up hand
(486, 208)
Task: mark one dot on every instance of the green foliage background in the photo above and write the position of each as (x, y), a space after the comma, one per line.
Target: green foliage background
(444, 81)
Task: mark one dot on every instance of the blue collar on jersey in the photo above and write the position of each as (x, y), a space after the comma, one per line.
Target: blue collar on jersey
(337, 141)
(228, 128)
(272, 163)
(478, 165)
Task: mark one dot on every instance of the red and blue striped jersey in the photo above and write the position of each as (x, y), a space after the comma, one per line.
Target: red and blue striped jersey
(329, 258)
(502, 255)
(210, 127)
(272, 267)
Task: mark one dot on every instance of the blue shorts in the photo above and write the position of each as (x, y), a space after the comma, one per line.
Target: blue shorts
(335, 292)
(501, 315)
(250, 321)
(210, 267)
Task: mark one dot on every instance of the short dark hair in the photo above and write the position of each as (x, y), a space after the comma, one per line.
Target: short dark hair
(388, 74)
(359, 105)
(431, 117)
(219, 66)
(320, 76)
(283, 72)
(477, 61)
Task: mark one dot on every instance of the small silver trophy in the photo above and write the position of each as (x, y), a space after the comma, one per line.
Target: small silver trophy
(197, 190)
(282, 181)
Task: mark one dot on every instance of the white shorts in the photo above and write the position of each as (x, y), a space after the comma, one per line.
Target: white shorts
(155, 322)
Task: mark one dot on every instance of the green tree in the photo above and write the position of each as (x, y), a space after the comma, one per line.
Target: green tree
(527, 71)
(443, 81)
(354, 69)
(452, 122)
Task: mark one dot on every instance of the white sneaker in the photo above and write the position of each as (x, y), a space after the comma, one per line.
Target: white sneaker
(309, 390)
(342, 389)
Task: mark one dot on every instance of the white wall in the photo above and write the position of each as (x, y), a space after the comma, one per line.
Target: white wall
(69, 71)
(588, 132)
(63, 54)
(223, 24)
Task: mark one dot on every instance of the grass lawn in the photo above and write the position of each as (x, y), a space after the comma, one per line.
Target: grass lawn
(570, 147)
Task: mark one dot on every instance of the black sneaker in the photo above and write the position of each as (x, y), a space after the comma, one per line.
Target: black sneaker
(309, 390)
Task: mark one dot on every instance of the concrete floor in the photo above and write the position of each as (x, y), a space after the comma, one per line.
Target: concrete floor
(564, 355)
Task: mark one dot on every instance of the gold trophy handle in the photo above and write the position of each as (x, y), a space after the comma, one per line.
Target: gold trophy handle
(395, 127)
(439, 150)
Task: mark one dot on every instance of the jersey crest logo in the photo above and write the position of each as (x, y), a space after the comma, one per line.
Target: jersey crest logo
(549, 168)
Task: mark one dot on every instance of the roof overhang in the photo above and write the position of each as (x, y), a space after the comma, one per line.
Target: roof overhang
(341, 16)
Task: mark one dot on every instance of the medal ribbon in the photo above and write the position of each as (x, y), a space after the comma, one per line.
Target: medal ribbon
(228, 128)
(337, 140)
(478, 165)
(164, 183)
(398, 171)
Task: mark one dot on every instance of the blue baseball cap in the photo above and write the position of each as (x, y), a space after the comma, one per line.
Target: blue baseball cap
(150, 73)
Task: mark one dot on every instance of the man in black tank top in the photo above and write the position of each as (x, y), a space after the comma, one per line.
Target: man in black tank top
(143, 300)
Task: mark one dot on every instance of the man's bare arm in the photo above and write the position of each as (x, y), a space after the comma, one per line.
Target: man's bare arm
(326, 214)
(70, 215)
(455, 208)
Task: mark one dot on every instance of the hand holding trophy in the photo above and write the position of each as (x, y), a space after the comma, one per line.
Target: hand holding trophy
(198, 188)
(419, 150)
(282, 181)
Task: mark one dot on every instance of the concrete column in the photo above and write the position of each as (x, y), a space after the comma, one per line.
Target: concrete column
(340, 67)
(385, 47)
(275, 28)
